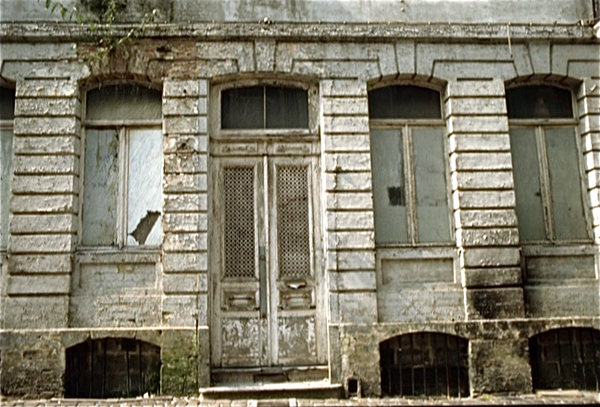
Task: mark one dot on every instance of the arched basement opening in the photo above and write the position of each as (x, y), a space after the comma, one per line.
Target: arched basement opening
(425, 364)
(112, 367)
(567, 358)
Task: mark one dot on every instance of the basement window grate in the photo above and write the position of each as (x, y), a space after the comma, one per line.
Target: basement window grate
(566, 358)
(425, 364)
(111, 368)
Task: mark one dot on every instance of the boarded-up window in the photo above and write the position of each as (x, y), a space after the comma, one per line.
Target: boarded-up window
(409, 170)
(111, 368)
(123, 167)
(566, 358)
(425, 364)
(264, 107)
(546, 165)
(7, 107)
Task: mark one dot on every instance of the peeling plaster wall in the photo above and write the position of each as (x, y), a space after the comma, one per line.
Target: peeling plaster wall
(55, 296)
(468, 11)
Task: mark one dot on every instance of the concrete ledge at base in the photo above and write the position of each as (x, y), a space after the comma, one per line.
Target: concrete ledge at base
(261, 391)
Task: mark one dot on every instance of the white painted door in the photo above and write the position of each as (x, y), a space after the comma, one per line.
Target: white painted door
(266, 262)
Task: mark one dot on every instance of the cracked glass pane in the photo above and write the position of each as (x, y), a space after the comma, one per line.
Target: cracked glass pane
(389, 190)
(433, 217)
(6, 139)
(145, 187)
(563, 164)
(124, 102)
(101, 187)
(528, 190)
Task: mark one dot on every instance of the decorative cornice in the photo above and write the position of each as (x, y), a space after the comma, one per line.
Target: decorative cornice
(374, 32)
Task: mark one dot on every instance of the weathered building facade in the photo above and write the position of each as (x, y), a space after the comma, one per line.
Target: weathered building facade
(399, 197)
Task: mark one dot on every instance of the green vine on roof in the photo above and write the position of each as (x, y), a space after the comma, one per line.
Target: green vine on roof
(101, 17)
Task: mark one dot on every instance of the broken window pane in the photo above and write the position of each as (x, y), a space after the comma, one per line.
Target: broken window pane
(243, 108)
(430, 182)
(287, 108)
(101, 187)
(144, 223)
(404, 102)
(6, 140)
(389, 190)
(565, 181)
(7, 104)
(528, 191)
(539, 102)
(124, 102)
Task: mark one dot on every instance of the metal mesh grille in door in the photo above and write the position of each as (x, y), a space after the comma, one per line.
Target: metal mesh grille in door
(239, 242)
(293, 237)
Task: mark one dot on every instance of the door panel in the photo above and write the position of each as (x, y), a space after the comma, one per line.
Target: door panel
(265, 285)
(292, 263)
(239, 333)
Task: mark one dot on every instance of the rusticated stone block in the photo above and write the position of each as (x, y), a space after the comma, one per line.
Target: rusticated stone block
(189, 88)
(185, 222)
(47, 88)
(490, 257)
(185, 163)
(185, 183)
(482, 180)
(184, 242)
(184, 262)
(485, 218)
(46, 145)
(492, 277)
(184, 202)
(495, 303)
(60, 223)
(480, 161)
(479, 142)
(487, 237)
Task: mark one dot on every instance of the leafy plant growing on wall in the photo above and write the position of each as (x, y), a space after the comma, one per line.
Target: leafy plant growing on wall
(101, 16)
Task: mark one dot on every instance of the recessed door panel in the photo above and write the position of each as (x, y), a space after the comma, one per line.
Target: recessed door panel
(267, 306)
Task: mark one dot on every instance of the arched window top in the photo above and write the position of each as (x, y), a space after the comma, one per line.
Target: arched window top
(425, 364)
(264, 107)
(124, 102)
(404, 102)
(7, 103)
(112, 367)
(539, 102)
(566, 358)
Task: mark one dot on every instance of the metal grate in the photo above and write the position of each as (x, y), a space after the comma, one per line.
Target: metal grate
(293, 236)
(566, 358)
(425, 364)
(112, 367)
(240, 247)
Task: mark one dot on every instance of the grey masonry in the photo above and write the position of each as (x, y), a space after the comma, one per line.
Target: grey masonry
(492, 296)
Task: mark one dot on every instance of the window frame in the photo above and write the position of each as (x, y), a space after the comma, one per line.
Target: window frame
(8, 125)
(123, 127)
(214, 111)
(406, 126)
(539, 125)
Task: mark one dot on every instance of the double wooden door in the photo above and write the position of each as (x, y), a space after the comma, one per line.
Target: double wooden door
(266, 264)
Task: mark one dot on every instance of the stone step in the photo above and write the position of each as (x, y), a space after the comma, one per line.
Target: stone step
(278, 374)
(274, 391)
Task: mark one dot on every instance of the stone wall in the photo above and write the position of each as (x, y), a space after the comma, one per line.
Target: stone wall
(183, 11)
(53, 291)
